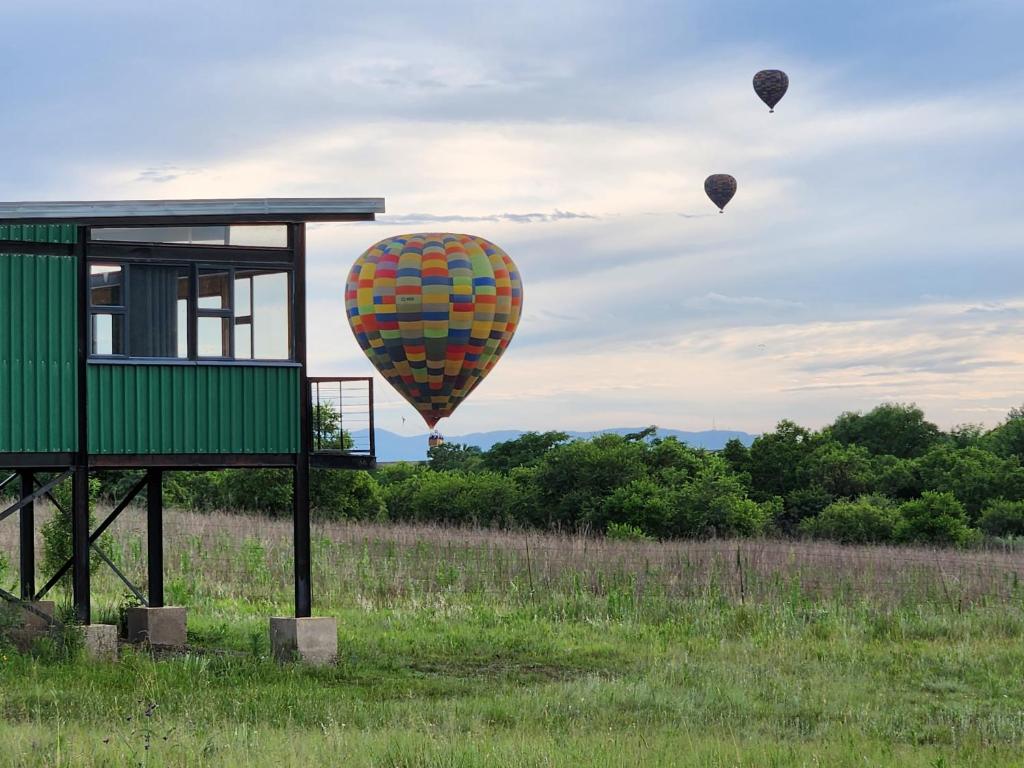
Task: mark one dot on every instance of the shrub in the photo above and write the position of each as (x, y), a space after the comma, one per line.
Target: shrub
(715, 503)
(801, 504)
(574, 479)
(625, 532)
(386, 474)
(257, 490)
(642, 504)
(474, 498)
(1001, 517)
(935, 518)
(867, 520)
(973, 475)
(338, 495)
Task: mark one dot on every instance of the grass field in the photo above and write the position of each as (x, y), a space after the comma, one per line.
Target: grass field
(477, 648)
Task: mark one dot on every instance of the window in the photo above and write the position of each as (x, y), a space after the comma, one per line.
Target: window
(149, 310)
(244, 235)
(106, 309)
(262, 319)
(213, 326)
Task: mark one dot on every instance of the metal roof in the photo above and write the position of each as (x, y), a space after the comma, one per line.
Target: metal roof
(269, 209)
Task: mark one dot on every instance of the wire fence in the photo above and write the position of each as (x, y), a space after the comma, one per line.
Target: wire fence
(220, 556)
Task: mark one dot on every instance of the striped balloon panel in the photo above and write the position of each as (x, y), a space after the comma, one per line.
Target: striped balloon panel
(434, 313)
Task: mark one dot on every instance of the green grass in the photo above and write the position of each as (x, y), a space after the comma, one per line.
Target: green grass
(569, 673)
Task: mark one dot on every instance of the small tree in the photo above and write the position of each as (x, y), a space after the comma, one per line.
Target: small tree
(455, 456)
(327, 431)
(57, 542)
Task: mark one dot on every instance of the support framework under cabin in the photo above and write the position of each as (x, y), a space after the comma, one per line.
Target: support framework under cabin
(164, 335)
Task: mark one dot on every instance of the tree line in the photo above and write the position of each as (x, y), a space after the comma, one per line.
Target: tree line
(887, 475)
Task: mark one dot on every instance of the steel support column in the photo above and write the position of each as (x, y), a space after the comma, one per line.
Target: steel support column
(80, 544)
(300, 485)
(27, 546)
(155, 536)
(80, 586)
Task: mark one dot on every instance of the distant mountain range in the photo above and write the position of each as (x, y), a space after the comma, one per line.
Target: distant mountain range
(394, 447)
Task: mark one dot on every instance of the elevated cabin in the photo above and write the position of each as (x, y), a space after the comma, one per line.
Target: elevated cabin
(165, 335)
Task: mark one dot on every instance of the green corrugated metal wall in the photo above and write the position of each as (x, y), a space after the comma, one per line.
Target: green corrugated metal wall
(37, 350)
(38, 233)
(193, 409)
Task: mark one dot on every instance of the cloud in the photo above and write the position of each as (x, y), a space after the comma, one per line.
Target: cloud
(163, 174)
(515, 218)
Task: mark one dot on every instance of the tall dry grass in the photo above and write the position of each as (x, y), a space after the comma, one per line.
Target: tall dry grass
(230, 556)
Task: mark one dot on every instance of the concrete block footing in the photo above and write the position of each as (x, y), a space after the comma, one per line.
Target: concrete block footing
(310, 640)
(157, 627)
(100, 641)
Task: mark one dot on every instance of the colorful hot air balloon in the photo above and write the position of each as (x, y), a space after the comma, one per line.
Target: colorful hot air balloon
(720, 187)
(434, 313)
(771, 85)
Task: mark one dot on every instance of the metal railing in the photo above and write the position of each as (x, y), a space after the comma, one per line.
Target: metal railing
(341, 415)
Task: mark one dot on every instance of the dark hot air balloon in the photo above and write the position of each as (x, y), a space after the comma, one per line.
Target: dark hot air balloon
(771, 85)
(434, 313)
(720, 187)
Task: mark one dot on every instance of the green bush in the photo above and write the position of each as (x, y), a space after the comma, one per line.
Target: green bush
(387, 474)
(973, 475)
(801, 504)
(715, 503)
(339, 494)
(574, 479)
(464, 498)
(625, 532)
(867, 520)
(935, 518)
(1002, 517)
(258, 490)
(642, 504)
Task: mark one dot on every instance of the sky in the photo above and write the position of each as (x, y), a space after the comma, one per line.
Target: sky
(872, 252)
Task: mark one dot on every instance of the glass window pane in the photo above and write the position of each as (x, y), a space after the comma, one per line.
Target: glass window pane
(243, 294)
(213, 289)
(183, 328)
(204, 235)
(271, 317)
(106, 283)
(107, 334)
(243, 341)
(155, 298)
(249, 235)
(213, 337)
(258, 235)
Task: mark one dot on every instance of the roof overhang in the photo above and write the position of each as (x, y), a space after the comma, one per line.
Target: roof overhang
(214, 211)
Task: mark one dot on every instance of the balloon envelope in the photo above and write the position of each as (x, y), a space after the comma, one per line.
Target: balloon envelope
(434, 313)
(720, 187)
(771, 85)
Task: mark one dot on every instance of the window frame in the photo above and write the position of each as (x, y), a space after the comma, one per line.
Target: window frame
(195, 312)
(118, 310)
